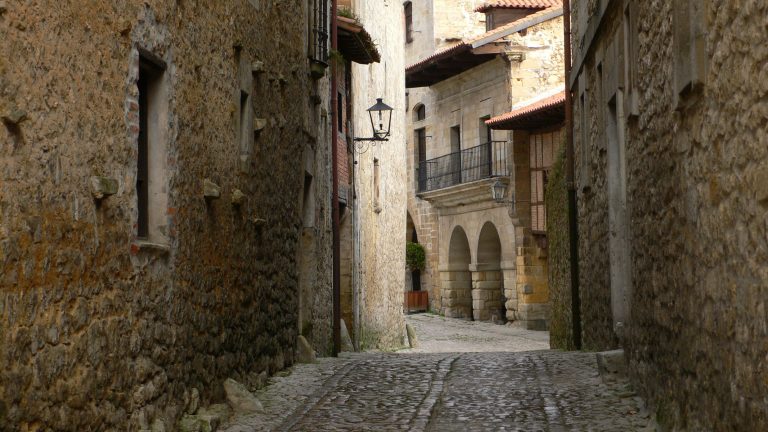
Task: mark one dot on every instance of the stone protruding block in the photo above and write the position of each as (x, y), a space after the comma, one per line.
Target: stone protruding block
(102, 187)
(413, 341)
(238, 197)
(14, 116)
(257, 67)
(346, 341)
(611, 363)
(306, 353)
(259, 124)
(240, 399)
(211, 190)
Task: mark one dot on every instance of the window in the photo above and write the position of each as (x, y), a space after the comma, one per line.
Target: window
(408, 10)
(318, 30)
(689, 44)
(585, 180)
(340, 112)
(151, 190)
(484, 134)
(246, 123)
(419, 112)
(630, 58)
(456, 154)
(421, 156)
(308, 202)
(542, 151)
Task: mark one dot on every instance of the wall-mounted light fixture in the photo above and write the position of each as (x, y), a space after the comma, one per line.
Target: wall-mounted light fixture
(381, 121)
(499, 191)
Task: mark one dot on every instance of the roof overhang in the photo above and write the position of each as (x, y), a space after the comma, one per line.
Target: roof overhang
(517, 4)
(448, 63)
(356, 44)
(464, 56)
(544, 113)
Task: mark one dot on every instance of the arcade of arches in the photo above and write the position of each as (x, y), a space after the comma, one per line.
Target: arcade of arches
(474, 289)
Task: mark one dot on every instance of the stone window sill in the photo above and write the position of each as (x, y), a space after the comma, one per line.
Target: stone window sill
(150, 247)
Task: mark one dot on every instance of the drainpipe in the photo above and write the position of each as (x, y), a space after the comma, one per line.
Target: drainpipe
(573, 226)
(335, 175)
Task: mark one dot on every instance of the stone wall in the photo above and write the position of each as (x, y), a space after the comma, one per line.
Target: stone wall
(591, 160)
(558, 257)
(381, 205)
(696, 163)
(100, 331)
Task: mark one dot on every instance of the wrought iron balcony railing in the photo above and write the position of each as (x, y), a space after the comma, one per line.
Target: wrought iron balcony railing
(468, 165)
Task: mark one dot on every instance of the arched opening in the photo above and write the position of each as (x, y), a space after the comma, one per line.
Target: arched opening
(416, 298)
(419, 112)
(487, 281)
(456, 278)
(412, 276)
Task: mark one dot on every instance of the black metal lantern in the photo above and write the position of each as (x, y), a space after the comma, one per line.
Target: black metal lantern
(498, 190)
(381, 121)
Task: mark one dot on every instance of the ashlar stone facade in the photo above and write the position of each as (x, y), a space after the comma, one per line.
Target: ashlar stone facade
(105, 327)
(471, 241)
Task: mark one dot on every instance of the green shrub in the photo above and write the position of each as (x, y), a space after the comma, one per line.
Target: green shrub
(415, 257)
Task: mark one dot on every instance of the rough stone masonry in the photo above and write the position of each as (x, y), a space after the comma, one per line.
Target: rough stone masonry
(100, 330)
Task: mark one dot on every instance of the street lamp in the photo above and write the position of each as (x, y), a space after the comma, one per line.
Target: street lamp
(498, 191)
(381, 116)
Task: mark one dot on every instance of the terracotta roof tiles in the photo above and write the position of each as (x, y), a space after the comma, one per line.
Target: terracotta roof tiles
(545, 104)
(518, 4)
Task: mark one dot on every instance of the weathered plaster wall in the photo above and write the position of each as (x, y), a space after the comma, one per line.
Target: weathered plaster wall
(540, 69)
(382, 219)
(457, 19)
(98, 333)
(696, 186)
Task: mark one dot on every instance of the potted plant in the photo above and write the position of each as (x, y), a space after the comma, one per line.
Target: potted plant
(415, 261)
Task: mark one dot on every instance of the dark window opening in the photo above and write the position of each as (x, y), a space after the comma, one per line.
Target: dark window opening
(408, 9)
(420, 112)
(149, 79)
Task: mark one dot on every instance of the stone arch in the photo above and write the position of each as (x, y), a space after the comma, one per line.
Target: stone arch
(487, 280)
(456, 278)
(419, 112)
(412, 277)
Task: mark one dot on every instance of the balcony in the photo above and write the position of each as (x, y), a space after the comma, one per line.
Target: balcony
(469, 165)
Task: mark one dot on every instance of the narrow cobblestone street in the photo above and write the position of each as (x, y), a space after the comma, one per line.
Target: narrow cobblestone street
(479, 387)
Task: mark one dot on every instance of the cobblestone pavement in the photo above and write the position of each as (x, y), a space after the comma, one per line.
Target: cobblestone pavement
(461, 391)
(440, 334)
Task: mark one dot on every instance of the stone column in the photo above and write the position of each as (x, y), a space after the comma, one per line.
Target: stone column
(486, 293)
(509, 279)
(456, 288)
(533, 288)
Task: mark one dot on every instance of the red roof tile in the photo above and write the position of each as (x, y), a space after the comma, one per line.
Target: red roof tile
(518, 4)
(516, 115)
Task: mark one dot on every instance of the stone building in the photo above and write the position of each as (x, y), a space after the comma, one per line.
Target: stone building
(671, 167)
(468, 64)
(376, 201)
(537, 130)
(160, 163)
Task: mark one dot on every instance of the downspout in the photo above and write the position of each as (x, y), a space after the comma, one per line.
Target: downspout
(355, 254)
(335, 199)
(573, 225)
